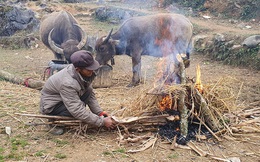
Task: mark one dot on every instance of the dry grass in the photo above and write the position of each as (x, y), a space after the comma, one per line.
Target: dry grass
(219, 96)
(17, 98)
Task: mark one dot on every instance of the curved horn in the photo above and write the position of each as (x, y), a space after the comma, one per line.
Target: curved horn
(52, 44)
(83, 37)
(109, 35)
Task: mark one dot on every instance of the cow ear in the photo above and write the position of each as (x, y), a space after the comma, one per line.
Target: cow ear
(115, 42)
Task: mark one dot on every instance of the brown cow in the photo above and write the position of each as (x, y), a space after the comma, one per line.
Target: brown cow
(160, 35)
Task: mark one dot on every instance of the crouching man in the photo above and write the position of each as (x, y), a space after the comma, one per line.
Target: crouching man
(67, 93)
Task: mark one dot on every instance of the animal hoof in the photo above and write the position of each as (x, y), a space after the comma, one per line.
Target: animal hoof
(132, 85)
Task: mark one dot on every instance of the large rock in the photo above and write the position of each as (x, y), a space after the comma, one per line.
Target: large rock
(251, 41)
(13, 19)
(115, 15)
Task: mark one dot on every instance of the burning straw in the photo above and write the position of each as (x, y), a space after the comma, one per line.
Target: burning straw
(208, 103)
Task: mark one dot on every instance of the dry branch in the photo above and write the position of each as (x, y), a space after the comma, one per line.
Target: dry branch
(134, 139)
(208, 115)
(128, 120)
(28, 82)
(142, 123)
(249, 122)
(150, 142)
(208, 128)
(197, 149)
(182, 108)
(47, 116)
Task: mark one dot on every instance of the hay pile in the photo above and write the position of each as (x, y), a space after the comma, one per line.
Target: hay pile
(221, 98)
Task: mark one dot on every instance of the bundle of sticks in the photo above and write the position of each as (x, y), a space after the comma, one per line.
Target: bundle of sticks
(142, 123)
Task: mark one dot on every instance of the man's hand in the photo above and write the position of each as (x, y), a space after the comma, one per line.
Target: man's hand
(109, 123)
(103, 113)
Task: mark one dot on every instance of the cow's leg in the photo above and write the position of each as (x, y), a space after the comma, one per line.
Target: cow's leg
(136, 67)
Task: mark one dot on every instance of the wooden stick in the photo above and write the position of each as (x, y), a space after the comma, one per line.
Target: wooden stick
(46, 157)
(49, 123)
(249, 122)
(47, 116)
(134, 119)
(221, 131)
(206, 112)
(252, 110)
(173, 143)
(14, 117)
(208, 128)
(136, 139)
(150, 93)
(67, 121)
(249, 113)
(196, 149)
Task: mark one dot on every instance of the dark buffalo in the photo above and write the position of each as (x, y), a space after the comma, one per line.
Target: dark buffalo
(61, 33)
(160, 35)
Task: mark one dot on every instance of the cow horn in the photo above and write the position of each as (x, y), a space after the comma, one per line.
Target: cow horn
(83, 37)
(107, 38)
(52, 44)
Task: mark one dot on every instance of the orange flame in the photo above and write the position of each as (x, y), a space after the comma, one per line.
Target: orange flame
(166, 103)
(198, 84)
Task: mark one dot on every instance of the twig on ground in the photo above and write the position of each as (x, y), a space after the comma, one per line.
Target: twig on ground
(207, 128)
(197, 149)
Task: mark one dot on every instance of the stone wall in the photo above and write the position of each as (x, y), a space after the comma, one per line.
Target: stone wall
(236, 51)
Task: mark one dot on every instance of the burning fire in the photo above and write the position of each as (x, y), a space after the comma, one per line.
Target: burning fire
(198, 84)
(166, 103)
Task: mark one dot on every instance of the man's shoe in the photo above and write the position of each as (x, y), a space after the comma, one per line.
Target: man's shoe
(57, 130)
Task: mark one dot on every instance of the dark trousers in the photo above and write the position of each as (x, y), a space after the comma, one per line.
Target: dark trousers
(61, 110)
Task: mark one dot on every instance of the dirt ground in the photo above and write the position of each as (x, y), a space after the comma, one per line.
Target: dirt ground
(34, 143)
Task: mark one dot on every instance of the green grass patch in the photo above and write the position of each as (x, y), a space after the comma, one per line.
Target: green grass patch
(173, 156)
(60, 142)
(16, 142)
(107, 153)
(15, 155)
(60, 156)
(1, 154)
(121, 150)
(40, 153)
